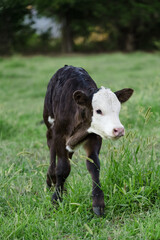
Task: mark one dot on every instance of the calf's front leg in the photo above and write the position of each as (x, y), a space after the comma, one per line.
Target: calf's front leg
(77, 137)
(92, 148)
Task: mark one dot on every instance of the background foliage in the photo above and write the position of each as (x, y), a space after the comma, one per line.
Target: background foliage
(116, 25)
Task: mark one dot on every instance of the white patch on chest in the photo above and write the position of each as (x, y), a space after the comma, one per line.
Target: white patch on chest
(106, 108)
(51, 121)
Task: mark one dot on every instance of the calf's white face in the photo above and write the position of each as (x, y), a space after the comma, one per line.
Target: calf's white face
(105, 119)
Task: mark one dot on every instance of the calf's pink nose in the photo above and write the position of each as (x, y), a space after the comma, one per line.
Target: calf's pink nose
(118, 132)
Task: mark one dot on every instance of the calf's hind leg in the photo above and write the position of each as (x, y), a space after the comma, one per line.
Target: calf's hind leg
(51, 176)
(62, 172)
(92, 148)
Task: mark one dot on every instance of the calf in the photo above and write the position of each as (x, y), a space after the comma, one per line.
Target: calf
(77, 112)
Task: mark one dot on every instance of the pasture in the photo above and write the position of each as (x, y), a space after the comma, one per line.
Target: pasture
(130, 167)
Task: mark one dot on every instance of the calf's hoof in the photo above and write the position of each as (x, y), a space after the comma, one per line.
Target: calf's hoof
(51, 179)
(99, 211)
(55, 198)
(48, 187)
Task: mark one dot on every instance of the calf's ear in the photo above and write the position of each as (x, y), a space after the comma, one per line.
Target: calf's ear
(81, 98)
(124, 94)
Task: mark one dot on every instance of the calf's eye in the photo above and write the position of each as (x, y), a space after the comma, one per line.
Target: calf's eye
(99, 111)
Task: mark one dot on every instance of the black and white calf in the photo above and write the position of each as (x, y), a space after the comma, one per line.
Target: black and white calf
(77, 113)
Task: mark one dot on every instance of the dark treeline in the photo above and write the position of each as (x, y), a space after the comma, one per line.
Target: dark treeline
(86, 25)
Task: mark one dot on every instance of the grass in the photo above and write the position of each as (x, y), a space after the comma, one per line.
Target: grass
(130, 167)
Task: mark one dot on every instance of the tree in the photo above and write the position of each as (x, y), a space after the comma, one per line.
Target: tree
(76, 17)
(12, 23)
(130, 24)
(133, 24)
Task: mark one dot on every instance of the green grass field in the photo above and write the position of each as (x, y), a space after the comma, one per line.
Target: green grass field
(130, 167)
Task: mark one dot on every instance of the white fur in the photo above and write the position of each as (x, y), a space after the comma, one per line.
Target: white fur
(76, 147)
(103, 124)
(51, 121)
(69, 149)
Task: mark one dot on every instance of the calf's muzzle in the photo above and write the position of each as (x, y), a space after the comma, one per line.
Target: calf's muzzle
(118, 132)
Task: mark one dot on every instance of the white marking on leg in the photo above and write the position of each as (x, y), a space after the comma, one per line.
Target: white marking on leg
(69, 149)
